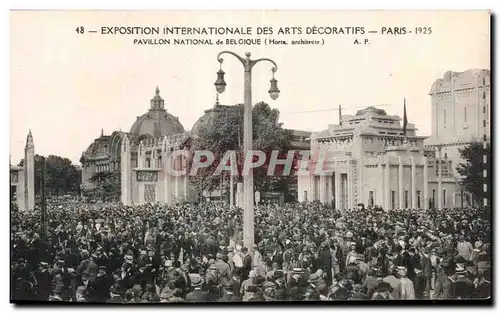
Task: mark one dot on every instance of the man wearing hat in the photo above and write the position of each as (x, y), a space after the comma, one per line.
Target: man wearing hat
(230, 255)
(117, 293)
(254, 294)
(235, 281)
(395, 283)
(197, 295)
(383, 292)
(348, 243)
(296, 279)
(465, 248)
(371, 282)
(213, 282)
(247, 263)
(463, 287)
(98, 289)
(483, 288)
(44, 279)
(81, 294)
(426, 265)
(419, 283)
(57, 292)
(126, 276)
(229, 295)
(443, 288)
(363, 267)
(245, 284)
(223, 270)
(325, 260)
(340, 283)
(407, 291)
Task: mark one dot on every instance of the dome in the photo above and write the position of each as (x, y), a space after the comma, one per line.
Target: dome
(210, 116)
(371, 110)
(157, 121)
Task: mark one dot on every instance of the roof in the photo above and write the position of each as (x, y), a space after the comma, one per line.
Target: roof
(372, 110)
(210, 116)
(157, 122)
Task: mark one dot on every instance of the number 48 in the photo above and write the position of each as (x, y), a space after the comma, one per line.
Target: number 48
(80, 30)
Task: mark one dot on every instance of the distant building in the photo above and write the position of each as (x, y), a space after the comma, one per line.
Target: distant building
(139, 155)
(368, 160)
(461, 107)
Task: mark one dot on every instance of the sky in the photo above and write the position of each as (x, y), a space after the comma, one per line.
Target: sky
(66, 86)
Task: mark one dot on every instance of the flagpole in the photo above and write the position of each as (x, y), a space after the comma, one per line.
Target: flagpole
(340, 115)
(405, 120)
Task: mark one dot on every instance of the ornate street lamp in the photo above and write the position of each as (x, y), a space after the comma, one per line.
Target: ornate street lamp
(220, 86)
(274, 92)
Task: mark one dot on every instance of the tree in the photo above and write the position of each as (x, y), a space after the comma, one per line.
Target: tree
(472, 169)
(224, 132)
(62, 176)
(106, 186)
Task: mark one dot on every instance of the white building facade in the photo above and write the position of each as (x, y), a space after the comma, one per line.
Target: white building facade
(368, 159)
(461, 107)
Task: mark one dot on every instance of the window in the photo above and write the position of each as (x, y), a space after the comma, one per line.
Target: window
(484, 94)
(305, 196)
(444, 197)
(406, 199)
(444, 117)
(465, 114)
(160, 162)
(370, 198)
(418, 199)
(433, 197)
(148, 163)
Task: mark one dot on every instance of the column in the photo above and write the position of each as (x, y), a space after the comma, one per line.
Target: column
(239, 195)
(141, 158)
(381, 187)
(322, 188)
(140, 193)
(167, 195)
(413, 184)
(338, 204)
(426, 183)
(186, 187)
(350, 183)
(185, 178)
(176, 178)
(125, 172)
(29, 172)
(440, 186)
(387, 184)
(20, 190)
(400, 180)
(329, 187)
(361, 180)
(231, 189)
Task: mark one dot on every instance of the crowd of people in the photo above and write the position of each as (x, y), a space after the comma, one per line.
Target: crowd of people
(195, 253)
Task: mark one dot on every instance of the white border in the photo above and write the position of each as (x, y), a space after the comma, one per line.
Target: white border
(6, 5)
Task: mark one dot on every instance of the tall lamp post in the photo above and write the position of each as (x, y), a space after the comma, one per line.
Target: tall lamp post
(220, 86)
